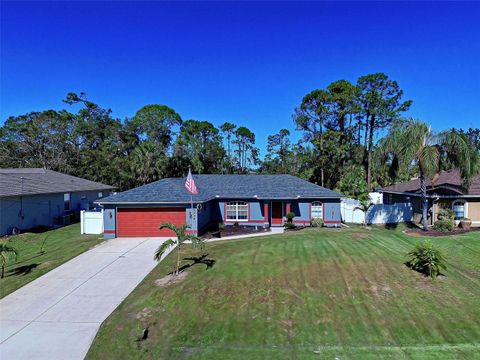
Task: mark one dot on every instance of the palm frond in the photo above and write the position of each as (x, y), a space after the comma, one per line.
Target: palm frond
(197, 242)
(6, 249)
(429, 158)
(162, 248)
(461, 152)
(414, 137)
(178, 230)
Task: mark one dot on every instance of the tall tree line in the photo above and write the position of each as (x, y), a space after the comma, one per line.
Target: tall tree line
(155, 143)
(343, 128)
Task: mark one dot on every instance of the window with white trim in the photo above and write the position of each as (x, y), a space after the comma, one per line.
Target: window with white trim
(317, 210)
(458, 208)
(237, 211)
(100, 195)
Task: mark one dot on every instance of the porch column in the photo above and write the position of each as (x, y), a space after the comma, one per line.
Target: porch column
(288, 208)
(265, 213)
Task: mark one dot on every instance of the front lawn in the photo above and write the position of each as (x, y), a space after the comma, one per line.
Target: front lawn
(316, 293)
(59, 246)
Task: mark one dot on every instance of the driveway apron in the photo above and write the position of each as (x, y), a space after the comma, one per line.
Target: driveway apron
(57, 315)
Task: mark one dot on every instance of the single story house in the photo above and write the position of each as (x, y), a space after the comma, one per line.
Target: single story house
(446, 192)
(253, 200)
(39, 197)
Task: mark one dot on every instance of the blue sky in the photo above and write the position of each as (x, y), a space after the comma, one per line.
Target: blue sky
(247, 63)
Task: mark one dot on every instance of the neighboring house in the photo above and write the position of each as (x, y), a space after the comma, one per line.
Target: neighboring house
(446, 192)
(40, 197)
(254, 200)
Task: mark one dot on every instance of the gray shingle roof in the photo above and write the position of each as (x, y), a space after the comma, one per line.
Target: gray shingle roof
(172, 190)
(14, 182)
(450, 178)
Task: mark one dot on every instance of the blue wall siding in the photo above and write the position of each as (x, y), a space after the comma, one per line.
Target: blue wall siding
(331, 214)
(109, 221)
(39, 210)
(302, 212)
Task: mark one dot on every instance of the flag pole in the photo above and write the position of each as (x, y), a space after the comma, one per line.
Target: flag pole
(191, 196)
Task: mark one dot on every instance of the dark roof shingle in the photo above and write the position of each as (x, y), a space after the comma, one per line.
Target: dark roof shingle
(172, 190)
(31, 181)
(450, 178)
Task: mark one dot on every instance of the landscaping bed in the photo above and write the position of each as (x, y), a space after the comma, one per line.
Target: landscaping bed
(434, 233)
(234, 230)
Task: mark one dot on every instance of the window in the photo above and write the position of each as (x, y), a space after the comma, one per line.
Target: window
(317, 210)
(66, 201)
(100, 195)
(458, 208)
(237, 211)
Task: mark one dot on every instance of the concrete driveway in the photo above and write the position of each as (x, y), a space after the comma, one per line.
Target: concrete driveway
(58, 315)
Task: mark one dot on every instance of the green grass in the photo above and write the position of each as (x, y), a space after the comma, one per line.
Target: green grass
(312, 294)
(59, 246)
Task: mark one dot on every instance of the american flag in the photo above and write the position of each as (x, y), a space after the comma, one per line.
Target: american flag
(190, 184)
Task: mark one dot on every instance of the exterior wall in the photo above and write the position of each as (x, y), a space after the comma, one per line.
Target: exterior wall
(332, 216)
(301, 208)
(26, 212)
(474, 210)
(109, 222)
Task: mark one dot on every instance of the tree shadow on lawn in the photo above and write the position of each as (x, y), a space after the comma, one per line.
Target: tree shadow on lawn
(196, 260)
(408, 225)
(23, 270)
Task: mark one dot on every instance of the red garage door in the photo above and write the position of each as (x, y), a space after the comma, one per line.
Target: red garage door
(146, 222)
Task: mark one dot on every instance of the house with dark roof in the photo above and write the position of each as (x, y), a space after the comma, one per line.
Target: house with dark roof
(445, 191)
(36, 197)
(251, 200)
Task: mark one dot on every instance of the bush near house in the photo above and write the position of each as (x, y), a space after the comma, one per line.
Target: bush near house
(443, 225)
(446, 220)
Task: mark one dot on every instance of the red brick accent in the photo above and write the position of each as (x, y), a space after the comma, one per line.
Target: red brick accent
(265, 212)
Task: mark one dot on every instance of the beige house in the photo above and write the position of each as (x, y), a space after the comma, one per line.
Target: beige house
(447, 191)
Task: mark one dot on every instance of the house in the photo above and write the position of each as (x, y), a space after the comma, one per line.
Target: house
(252, 200)
(38, 197)
(447, 191)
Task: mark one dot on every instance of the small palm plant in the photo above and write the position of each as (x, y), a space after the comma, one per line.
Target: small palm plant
(364, 205)
(426, 259)
(5, 252)
(182, 236)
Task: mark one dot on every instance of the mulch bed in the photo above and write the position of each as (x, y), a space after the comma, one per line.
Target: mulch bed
(233, 231)
(456, 231)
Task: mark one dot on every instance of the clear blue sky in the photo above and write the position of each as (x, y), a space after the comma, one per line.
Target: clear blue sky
(247, 63)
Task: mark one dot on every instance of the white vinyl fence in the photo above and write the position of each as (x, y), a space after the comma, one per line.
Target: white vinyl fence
(377, 214)
(91, 222)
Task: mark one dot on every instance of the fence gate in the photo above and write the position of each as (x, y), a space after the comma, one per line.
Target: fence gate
(91, 222)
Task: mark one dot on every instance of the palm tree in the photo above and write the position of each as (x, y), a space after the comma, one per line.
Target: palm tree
(413, 142)
(182, 236)
(5, 252)
(364, 205)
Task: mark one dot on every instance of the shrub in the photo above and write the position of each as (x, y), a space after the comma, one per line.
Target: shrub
(290, 216)
(446, 214)
(426, 259)
(316, 222)
(444, 225)
(289, 225)
(221, 226)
